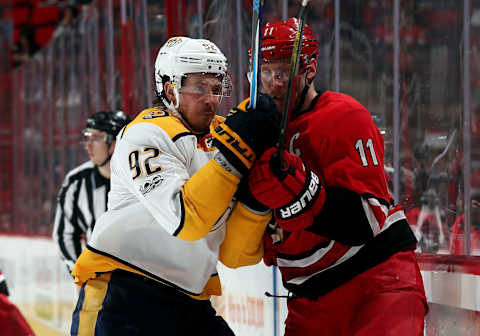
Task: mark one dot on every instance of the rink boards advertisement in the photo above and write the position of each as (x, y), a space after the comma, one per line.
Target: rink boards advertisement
(40, 285)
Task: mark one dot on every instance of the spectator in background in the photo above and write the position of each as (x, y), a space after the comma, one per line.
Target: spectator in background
(83, 196)
(457, 237)
(12, 323)
(26, 46)
(68, 15)
(372, 13)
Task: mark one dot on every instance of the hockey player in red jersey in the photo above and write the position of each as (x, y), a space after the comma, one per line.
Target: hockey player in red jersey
(12, 322)
(343, 246)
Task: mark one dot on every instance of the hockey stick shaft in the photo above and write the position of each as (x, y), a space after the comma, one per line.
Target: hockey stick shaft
(256, 50)
(297, 47)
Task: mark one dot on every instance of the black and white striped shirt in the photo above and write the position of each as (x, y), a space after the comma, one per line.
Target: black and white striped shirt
(81, 200)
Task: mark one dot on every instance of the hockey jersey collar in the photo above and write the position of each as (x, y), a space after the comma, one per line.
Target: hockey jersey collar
(314, 101)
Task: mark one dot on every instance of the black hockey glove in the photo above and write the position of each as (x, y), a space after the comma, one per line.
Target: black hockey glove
(244, 195)
(3, 285)
(247, 133)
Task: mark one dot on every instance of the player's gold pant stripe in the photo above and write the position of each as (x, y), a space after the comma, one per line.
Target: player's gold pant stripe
(95, 291)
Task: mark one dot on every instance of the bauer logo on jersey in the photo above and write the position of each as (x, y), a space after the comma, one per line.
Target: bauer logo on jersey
(302, 202)
(151, 184)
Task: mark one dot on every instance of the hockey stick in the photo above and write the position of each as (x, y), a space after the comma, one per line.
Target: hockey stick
(297, 47)
(256, 51)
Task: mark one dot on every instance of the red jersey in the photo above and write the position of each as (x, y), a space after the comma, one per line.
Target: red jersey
(12, 323)
(359, 225)
(457, 238)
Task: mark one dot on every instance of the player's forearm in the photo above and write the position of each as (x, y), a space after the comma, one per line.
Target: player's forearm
(206, 196)
(242, 245)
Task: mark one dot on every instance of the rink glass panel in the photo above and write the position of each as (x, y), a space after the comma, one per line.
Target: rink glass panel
(412, 63)
(6, 120)
(406, 67)
(76, 75)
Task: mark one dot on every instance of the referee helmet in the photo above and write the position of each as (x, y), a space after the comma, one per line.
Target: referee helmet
(110, 122)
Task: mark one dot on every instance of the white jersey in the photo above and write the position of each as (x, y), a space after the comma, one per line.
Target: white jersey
(153, 159)
(168, 208)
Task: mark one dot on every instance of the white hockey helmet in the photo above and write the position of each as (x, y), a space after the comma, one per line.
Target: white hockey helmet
(180, 56)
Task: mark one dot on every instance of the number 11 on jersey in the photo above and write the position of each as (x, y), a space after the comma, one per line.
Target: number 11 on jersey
(360, 148)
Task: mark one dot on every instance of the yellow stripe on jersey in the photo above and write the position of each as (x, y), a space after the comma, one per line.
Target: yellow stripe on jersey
(206, 195)
(213, 287)
(242, 245)
(242, 107)
(95, 291)
(161, 118)
(217, 120)
(90, 263)
(158, 116)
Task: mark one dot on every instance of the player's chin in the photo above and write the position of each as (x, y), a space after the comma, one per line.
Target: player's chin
(203, 125)
(208, 118)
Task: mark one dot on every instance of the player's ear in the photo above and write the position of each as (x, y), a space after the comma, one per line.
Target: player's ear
(168, 89)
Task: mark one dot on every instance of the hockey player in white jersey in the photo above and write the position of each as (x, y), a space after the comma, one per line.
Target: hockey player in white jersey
(150, 265)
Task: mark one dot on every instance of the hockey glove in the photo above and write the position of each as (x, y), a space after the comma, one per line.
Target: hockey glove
(295, 193)
(246, 134)
(3, 285)
(244, 196)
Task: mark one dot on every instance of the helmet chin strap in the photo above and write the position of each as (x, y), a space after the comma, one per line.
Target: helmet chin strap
(173, 107)
(107, 160)
(175, 111)
(177, 98)
(297, 107)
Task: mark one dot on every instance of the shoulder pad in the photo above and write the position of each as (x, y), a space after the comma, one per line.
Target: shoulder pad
(161, 118)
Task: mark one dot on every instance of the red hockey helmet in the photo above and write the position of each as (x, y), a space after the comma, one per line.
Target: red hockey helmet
(278, 39)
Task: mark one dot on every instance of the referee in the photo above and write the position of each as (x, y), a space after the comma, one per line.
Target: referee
(83, 196)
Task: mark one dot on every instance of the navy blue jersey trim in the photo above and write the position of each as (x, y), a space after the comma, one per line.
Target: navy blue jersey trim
(123, 131)
(180, 135)
(182, 219)
(76, 312)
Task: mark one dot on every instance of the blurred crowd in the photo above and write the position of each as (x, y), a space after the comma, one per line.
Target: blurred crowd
(36, 23)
